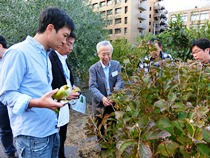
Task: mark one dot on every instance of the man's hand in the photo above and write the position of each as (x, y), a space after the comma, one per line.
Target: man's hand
(46, 101)
(73, 95)
(107, 102)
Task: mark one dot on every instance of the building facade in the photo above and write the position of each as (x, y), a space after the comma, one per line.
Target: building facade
(131, 18)
(193, 17)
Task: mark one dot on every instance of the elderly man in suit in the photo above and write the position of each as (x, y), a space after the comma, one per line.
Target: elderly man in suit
(63, 75)
(104, 77)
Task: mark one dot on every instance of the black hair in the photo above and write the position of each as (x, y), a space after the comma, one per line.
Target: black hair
(55, 16)
(3, 42)
(152, 40)
(72, 35)
(202, 43)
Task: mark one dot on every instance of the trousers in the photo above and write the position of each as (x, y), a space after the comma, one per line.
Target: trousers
(33, 147)
(6, 131)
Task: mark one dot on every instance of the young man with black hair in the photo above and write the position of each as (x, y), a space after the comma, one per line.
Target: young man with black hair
(25, 86)
(5, 129)
(201, 50)
(155, 57)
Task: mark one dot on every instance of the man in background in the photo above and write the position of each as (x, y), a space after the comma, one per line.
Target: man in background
(155, 57)
(5, 129)
(62, 75)
(201, 50)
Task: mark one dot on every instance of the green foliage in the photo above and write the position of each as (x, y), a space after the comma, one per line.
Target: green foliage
(177, 38)
(19, 18)
(164, 113)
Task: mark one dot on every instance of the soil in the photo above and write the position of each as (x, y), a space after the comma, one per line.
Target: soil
(76, 138)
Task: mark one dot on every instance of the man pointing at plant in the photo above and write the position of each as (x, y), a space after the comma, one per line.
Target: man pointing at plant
(104, 77)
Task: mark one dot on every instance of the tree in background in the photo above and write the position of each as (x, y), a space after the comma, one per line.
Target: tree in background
(19, 19)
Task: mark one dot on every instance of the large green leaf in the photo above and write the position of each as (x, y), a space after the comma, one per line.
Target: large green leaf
(167, 148)
(122, 145)
(165, 124)
(145, 151)
(156, 134)
(204, 149)
(206, 135)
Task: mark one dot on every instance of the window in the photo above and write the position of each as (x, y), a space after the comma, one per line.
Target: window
(109, 22)
(194, 17)
(103, 13)
(109, 12)
(117, 1)
(117, 10)
(204, 15)
(102, 4)
(109, 2)
(125, 20)
(173, 18)
(184, 17)
(118, 21)
(125, 30)
(118, 31)
(126, 9)
(95, 5)
(110, 31)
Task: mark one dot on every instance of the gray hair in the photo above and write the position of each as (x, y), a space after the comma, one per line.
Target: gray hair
(103, 43)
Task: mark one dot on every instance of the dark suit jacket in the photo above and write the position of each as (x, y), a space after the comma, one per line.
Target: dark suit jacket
(57, 71)
(97, 82)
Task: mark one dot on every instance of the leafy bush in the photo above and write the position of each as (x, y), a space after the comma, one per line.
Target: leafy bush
(164, 113)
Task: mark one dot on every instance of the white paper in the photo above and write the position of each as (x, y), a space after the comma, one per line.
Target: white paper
(63, 116)
(79, 105)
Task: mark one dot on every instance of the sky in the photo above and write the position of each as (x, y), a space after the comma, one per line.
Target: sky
(176, 5)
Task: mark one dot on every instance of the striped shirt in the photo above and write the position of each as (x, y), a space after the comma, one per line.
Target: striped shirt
(148, 61)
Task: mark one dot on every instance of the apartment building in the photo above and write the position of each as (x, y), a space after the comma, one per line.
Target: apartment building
(131, 18)
(193, 17)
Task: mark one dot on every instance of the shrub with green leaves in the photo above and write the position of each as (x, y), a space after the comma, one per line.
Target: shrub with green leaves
(164, 113)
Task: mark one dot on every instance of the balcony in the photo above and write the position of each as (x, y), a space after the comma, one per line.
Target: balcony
(163, 21)
(162, 27)
(141, 26)
(157, 6)
(142, 16)
(157, 15)
(142, 6)
(163, 15)
(164, 11)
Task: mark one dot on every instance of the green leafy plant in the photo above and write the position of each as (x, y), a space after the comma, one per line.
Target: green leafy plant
(164, 113)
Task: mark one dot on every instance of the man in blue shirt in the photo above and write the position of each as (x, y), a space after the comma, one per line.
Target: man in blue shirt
(5, 129)
(25, 86)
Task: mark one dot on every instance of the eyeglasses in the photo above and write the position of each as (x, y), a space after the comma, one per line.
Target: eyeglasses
(197, 51)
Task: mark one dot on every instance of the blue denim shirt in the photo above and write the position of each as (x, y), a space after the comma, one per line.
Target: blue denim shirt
(26, 74)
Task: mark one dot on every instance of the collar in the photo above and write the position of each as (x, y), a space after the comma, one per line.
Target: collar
(103, 66)
(61, 57)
